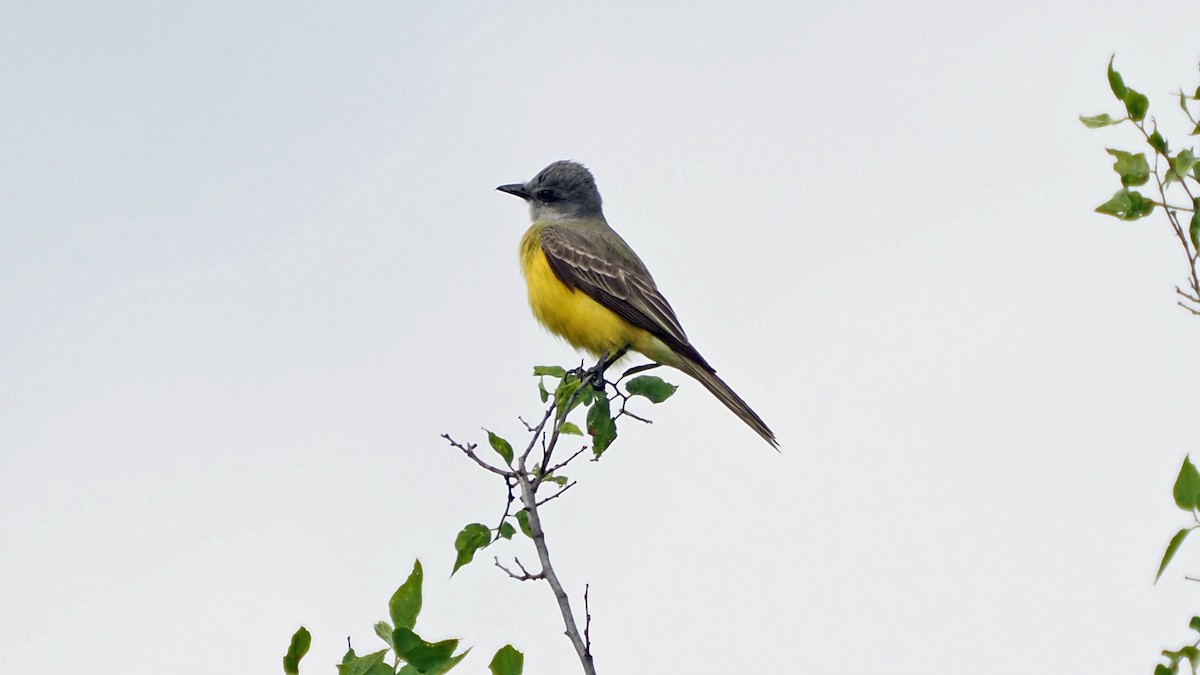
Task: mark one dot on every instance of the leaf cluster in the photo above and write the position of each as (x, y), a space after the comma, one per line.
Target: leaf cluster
(411, 654)
(1186, 493)
(1179, 170)
(1189, 653)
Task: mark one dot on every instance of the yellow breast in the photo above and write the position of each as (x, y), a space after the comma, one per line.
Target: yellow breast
(570, 313)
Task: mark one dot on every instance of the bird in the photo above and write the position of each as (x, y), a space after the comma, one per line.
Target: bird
(587, 285)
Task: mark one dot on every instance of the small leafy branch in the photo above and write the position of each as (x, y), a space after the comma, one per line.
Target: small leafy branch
(1176, 176)
(411, 655)
(1187, 498)
(527, 473)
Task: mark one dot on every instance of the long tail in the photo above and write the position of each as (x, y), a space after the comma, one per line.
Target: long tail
(727, 396)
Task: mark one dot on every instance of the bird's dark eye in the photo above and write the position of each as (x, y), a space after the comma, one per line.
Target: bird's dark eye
(545, 195)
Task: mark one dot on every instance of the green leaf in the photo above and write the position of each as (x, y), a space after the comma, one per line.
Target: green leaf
(1187, 486)
(1115, 81)
(1196, 131)
(507, 661)
(1181, 165)
(405, 604)
(454, 661)
(1136, 104)
(1170, 552)
(1133, 169)
(569, 428)
(523, 522)
(1191, 653)
(1159, 143)
(426, 657)
(301, 641)
(1160, 669)
(557, 479)
(380, 668)
(501, 446)
(653, 388)
(549, 371)
(507, 530)
(542, 393)
(601, 426)
(1194, 624)
(472, 538)
(565, 391)
(1127, 205)
(384, 630)
(371, 664)
(1101, 120)
(1194, 226)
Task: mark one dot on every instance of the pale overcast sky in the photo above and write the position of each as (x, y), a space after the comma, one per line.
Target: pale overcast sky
(252, 265)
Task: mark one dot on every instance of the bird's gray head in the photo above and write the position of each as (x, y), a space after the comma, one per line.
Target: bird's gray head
(564, 189)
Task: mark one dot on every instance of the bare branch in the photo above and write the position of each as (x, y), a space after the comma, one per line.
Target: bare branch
(566, 487)
(512, 497)
(587, 620)
(566, 461)
(534, 434)
(529, 487)
(626, 413)
(525, 574)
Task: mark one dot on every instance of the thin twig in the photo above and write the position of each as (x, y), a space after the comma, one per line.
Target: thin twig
(525, 574)
(537, 431)
(626, 413)
(566, 487)
(512, 497)
(566, 461)
(587, 620)
(469, 451)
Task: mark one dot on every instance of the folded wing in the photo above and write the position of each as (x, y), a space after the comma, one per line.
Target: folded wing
(599, 263)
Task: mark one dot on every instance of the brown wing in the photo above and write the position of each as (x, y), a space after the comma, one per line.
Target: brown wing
(598, 262)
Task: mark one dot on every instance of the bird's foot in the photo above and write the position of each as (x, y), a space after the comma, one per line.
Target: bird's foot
(597, 371)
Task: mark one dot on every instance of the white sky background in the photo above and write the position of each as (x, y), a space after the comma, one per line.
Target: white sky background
(252, 265)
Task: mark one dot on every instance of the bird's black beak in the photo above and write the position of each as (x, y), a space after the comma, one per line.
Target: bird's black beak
(517, 189)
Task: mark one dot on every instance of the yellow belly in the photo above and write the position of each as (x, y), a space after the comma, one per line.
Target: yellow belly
(571, 314)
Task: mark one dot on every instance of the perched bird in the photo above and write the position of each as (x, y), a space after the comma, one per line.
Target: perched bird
(589, 287)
